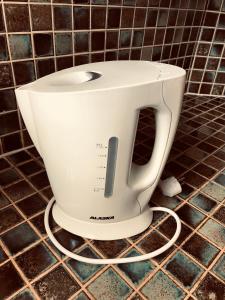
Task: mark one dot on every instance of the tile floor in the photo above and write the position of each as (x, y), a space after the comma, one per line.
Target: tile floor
(31, 268)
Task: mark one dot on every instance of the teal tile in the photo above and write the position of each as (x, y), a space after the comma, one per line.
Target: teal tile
(214, 232)
(203, 202)
(162, 287)
(20, 46)
(220, 179)
(219, 268)
(24, 295)
(184, 269)
(136, 272)
(63, 43)
(19, 238)
(200, 249)
(214, 190)
(83, 270)
(109, 285)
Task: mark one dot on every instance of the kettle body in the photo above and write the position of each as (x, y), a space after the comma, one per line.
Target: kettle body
(83, 121)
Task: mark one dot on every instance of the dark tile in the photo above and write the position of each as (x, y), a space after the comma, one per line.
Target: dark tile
(205, 170)
(184, 269)
(84, 271)
(151, 17)
(43, 44)
(9, 123)
(194, 179)
(81, 41)
(160, 286)
(24, 72)
(64, 62)
(96, 57)
(38, 222)
(11, 279)
(210, 286)
(40, 180)
(8, 176)
(19, 157)
(97, 40)
(190, 215)
(2, 26)
(98, 17)
(220, 214)
(112, 39)
(7, 100)
(58, 285)
(19, 238)
(41, 17)
(138, 271)
(30, 168)
(152, 242)
(35, 261)
(139, 17)
(113, 17)
(168, 229)
(6, 79)
(20, 46)
(32, 205)
(200, 249)
(17, 17)
(3, 200)
(82, 59)
(111, 248)
(3, 48)
(45, 67)
(19, 190)
(203, 202)
(63, 43)
(68, 240)
(127, 17)
(3, 256)
(11, 142)
(62, 17)
(9, 217)
(109, 283)
(81, 17)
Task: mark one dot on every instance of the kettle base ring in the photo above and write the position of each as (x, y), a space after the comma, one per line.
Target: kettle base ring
(103, 230)
(119, 260)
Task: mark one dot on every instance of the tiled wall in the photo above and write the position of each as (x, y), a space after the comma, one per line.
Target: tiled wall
(208, 76)
(37, 38)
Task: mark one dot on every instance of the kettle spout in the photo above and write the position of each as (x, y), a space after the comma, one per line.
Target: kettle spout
(23, 101)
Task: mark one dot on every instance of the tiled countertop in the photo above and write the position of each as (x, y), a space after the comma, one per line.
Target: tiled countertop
(31, 268)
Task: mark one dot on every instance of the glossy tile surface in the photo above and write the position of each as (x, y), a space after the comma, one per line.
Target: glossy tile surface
(192, 269)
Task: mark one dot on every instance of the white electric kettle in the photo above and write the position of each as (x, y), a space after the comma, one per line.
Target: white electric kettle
(83, 122)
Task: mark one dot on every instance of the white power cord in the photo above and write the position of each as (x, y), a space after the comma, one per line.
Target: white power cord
(104, 261)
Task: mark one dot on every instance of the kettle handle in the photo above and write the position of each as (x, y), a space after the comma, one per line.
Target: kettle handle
(142, 177)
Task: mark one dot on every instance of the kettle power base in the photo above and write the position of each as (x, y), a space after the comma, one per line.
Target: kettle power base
(120, 260)
(103, 231)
